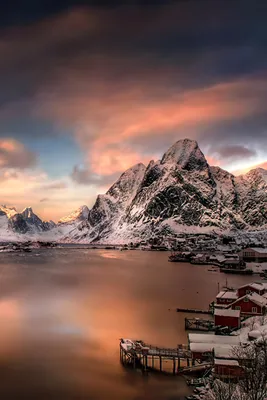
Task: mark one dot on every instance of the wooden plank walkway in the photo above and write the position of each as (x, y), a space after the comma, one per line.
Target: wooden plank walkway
(194, 311)
(198, 324)
(137, 354)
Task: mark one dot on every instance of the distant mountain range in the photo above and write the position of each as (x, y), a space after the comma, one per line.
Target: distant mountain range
(179, 193)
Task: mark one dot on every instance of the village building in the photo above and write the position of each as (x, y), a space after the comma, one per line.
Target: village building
(256, 254)
(226, 297)
(250, 304)
(227, 369)
(254, 287)
(202, 346)
(227, 317)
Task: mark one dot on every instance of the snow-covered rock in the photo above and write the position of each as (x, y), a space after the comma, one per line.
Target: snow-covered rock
(180, 192)
(14, 225)
(81, 214)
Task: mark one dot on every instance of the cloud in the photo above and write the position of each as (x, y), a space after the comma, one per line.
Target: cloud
(126, 94)
(44, 199)
(120, 126)
(13, 154)
(55, 186)
(234, 152)
(85, 176)
(249, 168)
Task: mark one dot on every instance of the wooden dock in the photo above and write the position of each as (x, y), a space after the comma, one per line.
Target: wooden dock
(137, 354)
(198, 324)
(194, 311)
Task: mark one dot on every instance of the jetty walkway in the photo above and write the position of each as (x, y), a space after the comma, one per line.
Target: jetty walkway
(137, 354)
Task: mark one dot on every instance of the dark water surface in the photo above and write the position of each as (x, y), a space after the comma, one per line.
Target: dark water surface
(62, 312)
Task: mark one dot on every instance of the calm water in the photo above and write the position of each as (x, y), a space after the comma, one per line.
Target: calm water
(63, 311)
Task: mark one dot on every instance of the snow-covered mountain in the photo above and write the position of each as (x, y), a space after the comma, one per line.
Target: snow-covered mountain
(179, 193)
(13, 224)
(81, 214)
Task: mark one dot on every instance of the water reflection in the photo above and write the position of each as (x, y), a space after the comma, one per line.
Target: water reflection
(62, 315)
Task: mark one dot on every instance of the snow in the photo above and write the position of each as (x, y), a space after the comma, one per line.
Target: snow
(255, 285)
(256, 298)
(256, 266)
(180, 194)
(226, 362)
(181, 153)
(259, 250)
(225, 351)
(212, 338)
(80, 214)
(227, 313)
(227, 294)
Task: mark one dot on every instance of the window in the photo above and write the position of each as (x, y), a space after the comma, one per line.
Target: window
(254, 310)
(245, 299)
(237, 307)
(248, 291)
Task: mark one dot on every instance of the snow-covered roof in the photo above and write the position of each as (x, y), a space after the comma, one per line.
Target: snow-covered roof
(211, 338)
(226, 362)
(201, 347)
(256, 298)
(259, 249)
(224, 351)
(227, 294)
(257, 333)
(227, 313)
(255, 285)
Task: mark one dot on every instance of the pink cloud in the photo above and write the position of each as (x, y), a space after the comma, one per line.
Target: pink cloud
(249, 168)
(107, 115)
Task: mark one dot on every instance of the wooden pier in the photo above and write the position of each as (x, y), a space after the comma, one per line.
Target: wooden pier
(137, 354)
(194, 311)
(198, 324)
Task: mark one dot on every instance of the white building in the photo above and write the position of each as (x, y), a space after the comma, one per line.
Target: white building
(257, 254)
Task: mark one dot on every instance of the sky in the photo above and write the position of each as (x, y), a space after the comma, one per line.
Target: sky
(89, 89)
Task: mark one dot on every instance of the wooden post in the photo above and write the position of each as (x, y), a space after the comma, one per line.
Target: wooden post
(160, 363)
(153, 362)
(179, 363)
(174, 366)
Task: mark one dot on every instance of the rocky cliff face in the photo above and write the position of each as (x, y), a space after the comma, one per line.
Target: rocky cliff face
(180, 191)
(24, 222)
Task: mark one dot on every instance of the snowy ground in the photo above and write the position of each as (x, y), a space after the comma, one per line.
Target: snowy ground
(257, 267)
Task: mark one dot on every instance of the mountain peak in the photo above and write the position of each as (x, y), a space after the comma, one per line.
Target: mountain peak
(27, 212)
(127, 181)
(78, 215)
(187, 154)
(257, 174)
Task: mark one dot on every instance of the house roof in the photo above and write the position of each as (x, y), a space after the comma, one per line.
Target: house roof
(213, 339)
(227, 294)
(254, 297)
(259, 249)
(227, 313)
(224, 351)
(226, 362)
(201, 347)
(255, 285)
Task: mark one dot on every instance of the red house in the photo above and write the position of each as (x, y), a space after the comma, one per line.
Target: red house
(251, 304)
(227, 317)
(258, 288)
(227, 369)
(226, 297)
